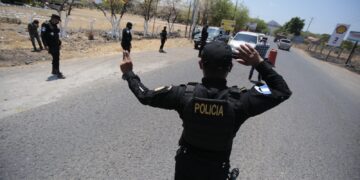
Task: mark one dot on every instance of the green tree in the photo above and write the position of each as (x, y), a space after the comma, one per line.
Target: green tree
(261, 26)
(348, 45)
(241, 17)
(295, 25)
(220, 9)
(324, 38)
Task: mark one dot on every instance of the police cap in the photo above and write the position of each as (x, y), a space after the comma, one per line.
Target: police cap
(54, 16)
(217, 53)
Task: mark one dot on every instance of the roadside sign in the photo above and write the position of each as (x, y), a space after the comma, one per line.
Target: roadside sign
(338, 35)
(228, 25)
(354, 36)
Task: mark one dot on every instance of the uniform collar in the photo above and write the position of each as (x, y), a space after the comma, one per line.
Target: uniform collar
(214, 82)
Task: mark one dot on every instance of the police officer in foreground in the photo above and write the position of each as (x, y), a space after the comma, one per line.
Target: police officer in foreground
(126, 37)
(50, 37)
(33, 32)
(211, 111)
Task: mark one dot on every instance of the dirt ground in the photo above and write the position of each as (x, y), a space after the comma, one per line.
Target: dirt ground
(337, 59)
(16, 48)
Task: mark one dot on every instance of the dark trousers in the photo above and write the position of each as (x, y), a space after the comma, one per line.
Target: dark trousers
(126, 47)
(191, 167)
(202, 44)
(55, 61)
(162, 44)
(251, 73)
(33, 41)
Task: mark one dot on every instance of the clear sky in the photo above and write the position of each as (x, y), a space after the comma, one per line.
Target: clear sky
(326, 13)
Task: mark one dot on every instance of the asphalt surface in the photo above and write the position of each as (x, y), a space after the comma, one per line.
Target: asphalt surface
(101, 131)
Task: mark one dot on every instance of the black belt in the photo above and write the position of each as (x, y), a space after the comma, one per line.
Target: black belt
(213, 156)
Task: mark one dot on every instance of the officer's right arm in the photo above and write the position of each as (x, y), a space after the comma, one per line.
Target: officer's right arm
(163, 97)
(262, 98)
(44, 35)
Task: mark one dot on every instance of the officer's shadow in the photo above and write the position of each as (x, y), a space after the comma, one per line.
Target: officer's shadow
(52, 78)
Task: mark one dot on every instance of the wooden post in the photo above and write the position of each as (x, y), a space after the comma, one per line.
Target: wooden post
(348, 61)
(331, 48)
(340, 53)
(322, 48)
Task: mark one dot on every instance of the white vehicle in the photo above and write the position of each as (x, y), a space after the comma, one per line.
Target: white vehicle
(284, 44)
(244, 38)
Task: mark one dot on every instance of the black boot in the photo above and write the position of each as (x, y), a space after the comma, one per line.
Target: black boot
(60, 75)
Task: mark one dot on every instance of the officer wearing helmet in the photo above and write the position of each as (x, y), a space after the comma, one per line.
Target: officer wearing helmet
(211, 111)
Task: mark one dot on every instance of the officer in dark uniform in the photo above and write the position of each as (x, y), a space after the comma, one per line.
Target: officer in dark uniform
(33, 32)
(204, 36)
(50, 36)
(211, 111)
(126, 37)
(163, 36)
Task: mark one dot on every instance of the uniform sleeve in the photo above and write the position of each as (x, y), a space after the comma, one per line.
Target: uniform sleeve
(44, 35)
(166, 97)
(261, 98)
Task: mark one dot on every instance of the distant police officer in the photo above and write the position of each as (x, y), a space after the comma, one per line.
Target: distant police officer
(126, 37)
(204, 36)
(211, 111)
(163, 36)
(50, 36)
(34, 34)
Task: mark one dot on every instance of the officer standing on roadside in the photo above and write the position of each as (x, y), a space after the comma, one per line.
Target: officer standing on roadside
(34, 34)
(126, 37)
(204, 36)
(163, 36)
(211, 111)
(50, 37)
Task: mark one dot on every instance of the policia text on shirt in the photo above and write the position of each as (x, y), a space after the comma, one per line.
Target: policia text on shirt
(211, 112)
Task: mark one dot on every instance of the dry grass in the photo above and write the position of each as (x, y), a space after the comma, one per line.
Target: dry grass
(334, 56)
(80, 19)
(15, 45)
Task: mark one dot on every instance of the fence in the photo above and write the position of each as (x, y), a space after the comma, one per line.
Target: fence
(334, 55)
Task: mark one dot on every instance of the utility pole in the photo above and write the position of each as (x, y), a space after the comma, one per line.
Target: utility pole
(235, 8)
(307, 30)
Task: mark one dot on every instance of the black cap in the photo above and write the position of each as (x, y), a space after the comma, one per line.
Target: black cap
(217, 53)
(129, 24)
(54, 16)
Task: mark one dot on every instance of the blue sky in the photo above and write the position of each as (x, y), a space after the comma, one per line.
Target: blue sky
(326, 13)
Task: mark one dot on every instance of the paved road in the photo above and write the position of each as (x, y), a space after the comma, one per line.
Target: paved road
(100, 131)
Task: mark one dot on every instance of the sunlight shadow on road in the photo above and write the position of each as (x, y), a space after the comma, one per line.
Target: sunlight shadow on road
(52, 78)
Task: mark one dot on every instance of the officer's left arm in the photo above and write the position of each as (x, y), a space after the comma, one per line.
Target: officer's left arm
(261, 98)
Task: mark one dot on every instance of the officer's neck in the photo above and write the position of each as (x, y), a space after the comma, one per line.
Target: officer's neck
(215, 82)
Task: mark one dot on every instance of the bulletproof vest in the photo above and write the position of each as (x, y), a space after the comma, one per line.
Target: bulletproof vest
(208, 123)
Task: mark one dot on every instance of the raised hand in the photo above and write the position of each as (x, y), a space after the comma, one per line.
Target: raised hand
(126, 65)
(247, 55)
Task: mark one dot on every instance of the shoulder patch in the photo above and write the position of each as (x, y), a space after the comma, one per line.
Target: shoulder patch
(264, 89)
